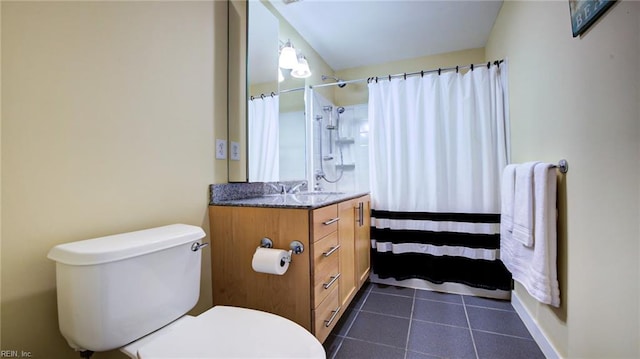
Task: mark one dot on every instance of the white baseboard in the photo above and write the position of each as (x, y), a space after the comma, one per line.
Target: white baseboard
(543, 342)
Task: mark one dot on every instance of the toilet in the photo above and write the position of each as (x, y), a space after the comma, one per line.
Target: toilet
(132, 291)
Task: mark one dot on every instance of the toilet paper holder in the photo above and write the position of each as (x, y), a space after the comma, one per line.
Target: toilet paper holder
(296, 246)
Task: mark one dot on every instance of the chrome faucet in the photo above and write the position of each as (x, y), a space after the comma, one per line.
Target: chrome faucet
(296, 188)
(278, 187)
(319, 176)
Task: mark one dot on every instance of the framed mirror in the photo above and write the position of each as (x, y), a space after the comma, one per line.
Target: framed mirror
(266, 105)
(237, 91)
(344, 44)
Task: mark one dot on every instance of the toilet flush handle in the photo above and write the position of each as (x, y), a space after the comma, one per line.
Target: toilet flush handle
(197, 246)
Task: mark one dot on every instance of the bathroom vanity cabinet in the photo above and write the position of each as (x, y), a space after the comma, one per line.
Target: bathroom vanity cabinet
(319, 283)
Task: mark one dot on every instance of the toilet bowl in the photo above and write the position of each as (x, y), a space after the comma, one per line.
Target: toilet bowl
(95, 279)
(228, 332)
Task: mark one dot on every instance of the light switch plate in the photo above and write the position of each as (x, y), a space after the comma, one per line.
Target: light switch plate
(221, 149)
(235, 151)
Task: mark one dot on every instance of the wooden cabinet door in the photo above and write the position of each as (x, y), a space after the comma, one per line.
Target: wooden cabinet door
(363, 239)
(235, 234)
(346, 235)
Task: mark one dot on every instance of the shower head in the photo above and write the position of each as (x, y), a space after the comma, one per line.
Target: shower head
(341, 83)
(331, 126)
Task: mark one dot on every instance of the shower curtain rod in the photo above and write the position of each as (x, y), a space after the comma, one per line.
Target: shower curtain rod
(405, 74)
(262, 95)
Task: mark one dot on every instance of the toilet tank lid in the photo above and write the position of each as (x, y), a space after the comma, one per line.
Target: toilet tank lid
(124, 245)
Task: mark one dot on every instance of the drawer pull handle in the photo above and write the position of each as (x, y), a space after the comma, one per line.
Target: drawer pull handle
(334, 278)
(334, 313)
(332, 220)
(330, 252)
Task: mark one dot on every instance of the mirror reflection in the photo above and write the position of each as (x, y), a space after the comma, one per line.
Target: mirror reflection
(283, 143)
(315, 127)
(276, 117)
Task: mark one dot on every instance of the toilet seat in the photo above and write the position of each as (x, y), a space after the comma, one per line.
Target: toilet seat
(228, 332)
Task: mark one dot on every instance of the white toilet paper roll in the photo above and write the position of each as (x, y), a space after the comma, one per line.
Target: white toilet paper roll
(270, 261)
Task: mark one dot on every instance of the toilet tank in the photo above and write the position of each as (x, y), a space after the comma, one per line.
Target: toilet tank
(113, 290)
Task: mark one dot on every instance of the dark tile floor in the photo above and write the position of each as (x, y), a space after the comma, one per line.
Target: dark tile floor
(392, 322)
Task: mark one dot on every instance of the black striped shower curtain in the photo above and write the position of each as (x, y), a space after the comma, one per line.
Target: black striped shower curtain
(438, 144)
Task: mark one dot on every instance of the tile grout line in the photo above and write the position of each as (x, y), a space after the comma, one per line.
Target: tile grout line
(438, 301)
(473, 340)
(346, 332)
(337, 349)
(406, 343)
(392, 294)
(374, 343)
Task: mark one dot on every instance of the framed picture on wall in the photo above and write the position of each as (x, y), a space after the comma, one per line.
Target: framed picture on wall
(585, 12)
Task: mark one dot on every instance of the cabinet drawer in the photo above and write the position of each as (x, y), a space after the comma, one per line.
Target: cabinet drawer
(326, 315)
(325, 221)
(326, 253)
(324, 250)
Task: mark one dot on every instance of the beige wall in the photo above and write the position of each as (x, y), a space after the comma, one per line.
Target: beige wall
(108, 125)
(358, 93)
(0, 177)
(577, 98)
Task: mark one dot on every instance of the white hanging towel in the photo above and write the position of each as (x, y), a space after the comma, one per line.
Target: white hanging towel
(507, 192)
(523, 204)
(535, 267)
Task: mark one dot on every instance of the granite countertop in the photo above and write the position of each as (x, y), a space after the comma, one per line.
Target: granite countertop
(307, 200)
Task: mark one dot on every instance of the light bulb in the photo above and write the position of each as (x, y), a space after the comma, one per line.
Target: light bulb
(288, 58)
(302, 69)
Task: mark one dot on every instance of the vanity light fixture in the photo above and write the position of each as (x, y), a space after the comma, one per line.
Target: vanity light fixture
(280, 75)
(302, 70)
(288, 58)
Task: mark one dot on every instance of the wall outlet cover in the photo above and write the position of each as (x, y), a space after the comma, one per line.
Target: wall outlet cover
(221, 149)
(235, 151)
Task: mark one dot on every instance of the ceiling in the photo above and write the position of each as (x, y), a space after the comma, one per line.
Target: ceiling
(354, 33)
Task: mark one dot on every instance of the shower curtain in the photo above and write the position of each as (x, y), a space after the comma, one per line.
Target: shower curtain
(264, 139)
(438, 144)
